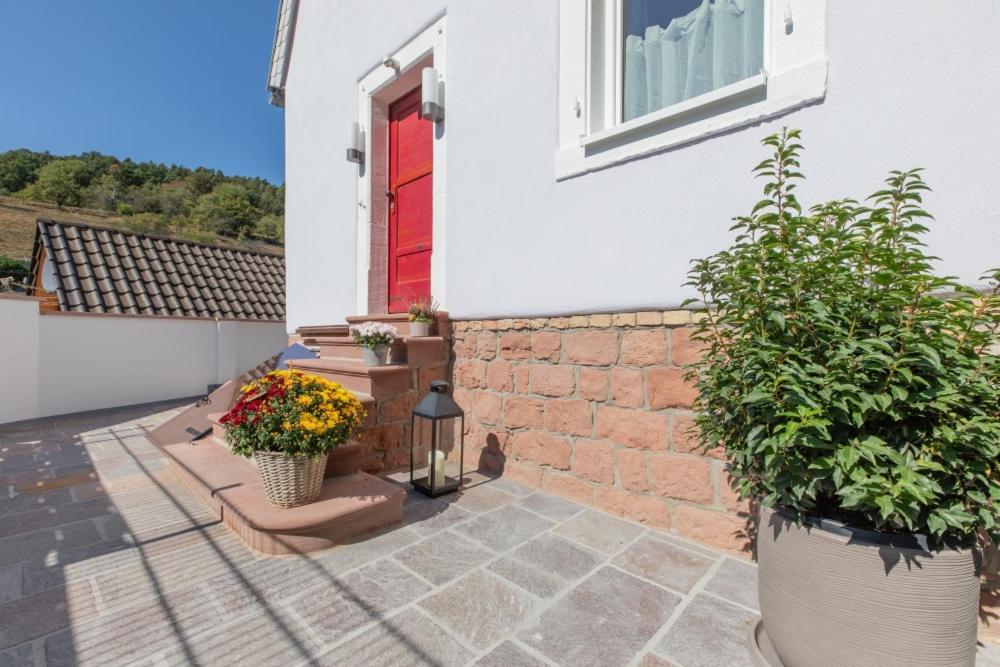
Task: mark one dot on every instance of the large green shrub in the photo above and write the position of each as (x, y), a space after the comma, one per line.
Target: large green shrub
(842, 377)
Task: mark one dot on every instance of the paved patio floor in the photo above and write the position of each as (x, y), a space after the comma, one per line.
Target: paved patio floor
(106, 558)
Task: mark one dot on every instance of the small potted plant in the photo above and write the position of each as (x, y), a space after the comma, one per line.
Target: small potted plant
(857, 397)
(423, 312)
(374, 339)
(288, 422)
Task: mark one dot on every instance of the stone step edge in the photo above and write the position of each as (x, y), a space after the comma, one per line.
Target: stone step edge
(375, 502)
(347, 367)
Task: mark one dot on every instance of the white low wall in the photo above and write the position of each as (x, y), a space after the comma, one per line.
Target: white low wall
(57, 363)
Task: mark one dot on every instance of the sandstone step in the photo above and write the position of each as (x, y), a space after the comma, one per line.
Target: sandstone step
(376, 381)
(335, 347)
(218, 430)
(402, 322)
(421, 350)
(230, 486)
(413, 351)
(323, 330)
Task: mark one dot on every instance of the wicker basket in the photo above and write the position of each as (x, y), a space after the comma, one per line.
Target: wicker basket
(290, 481)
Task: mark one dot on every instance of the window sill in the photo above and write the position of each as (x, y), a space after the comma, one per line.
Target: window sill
(708, 101)
(750, 101)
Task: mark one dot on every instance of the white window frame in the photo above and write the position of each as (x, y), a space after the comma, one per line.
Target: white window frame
(592, 133)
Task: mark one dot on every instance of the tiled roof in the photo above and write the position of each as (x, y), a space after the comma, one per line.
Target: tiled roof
(101, 270)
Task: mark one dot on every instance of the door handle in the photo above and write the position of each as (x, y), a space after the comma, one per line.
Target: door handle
(391, 196)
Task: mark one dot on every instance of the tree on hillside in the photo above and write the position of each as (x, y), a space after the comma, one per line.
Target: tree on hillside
(104, 193)
(59, 182)
(203, 180)
(226, 210)
(18, 168)
(270, 228)
(92, 166)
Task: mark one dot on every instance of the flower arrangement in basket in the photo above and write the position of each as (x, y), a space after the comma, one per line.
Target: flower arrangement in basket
(288, 421)
(422, 313)
(374, 339)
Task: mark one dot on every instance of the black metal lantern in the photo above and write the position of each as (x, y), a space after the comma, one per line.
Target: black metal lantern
(433, 423)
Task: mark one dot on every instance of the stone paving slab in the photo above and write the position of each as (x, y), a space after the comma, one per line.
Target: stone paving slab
(547, 564)
(670, 566)
(504, 528)
(428, 516)
(735, 581)
(599, 531)
(480, 608)
(509, 654)
(444, 558)
(550, 507)
(605, 620)
(709, 632)
(106, 559)
(409, 638)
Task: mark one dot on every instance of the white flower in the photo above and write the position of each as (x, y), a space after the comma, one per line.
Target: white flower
(373, 334)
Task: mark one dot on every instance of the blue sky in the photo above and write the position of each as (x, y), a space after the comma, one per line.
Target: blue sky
(174, 81)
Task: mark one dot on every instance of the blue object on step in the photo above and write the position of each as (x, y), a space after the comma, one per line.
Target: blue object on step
(293, 352)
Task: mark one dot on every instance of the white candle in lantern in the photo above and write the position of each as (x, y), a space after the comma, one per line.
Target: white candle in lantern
(435, 462)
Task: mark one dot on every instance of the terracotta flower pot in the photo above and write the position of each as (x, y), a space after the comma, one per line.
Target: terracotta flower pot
(290, 481)
(831, 595)
(375, 356)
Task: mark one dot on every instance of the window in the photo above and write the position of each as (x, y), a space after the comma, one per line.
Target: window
(639, 76)
(674, 50)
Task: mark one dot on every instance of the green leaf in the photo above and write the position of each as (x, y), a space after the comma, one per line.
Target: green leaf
(885, 505)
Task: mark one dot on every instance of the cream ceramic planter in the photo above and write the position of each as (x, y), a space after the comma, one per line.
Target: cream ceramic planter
(420, 328)
(832, 596)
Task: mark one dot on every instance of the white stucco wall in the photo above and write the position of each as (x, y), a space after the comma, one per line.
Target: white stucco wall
(61, 363)
(910, 84)
(18, 358)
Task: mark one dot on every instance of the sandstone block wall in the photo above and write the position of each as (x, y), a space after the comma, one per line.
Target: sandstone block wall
(595, 408)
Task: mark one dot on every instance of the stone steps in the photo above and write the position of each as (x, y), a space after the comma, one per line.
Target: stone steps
(407, 350)
(402, 322)
(376, 381)
(323, 330)
(388, 392)
(350, 504)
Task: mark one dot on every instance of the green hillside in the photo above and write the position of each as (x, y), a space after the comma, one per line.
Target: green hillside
(195, 204)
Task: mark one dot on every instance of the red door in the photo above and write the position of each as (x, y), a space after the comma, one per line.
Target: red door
(411, 168)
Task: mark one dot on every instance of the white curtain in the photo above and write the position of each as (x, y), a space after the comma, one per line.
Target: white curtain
(719, 43)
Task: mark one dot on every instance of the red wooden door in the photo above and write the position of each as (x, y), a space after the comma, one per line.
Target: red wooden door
(411, 167)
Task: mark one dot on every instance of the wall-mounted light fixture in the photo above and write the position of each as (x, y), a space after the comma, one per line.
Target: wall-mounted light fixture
(356, 143)
(431, 104)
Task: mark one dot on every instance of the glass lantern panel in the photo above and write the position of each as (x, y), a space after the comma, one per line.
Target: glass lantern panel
(435, 454)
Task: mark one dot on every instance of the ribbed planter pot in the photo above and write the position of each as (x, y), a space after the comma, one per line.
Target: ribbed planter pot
(831, 595)
(375, 356)
(344, 460)
(420, 328)
(290, 481)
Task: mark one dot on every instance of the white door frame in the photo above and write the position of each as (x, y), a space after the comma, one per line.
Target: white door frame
(377, 89)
